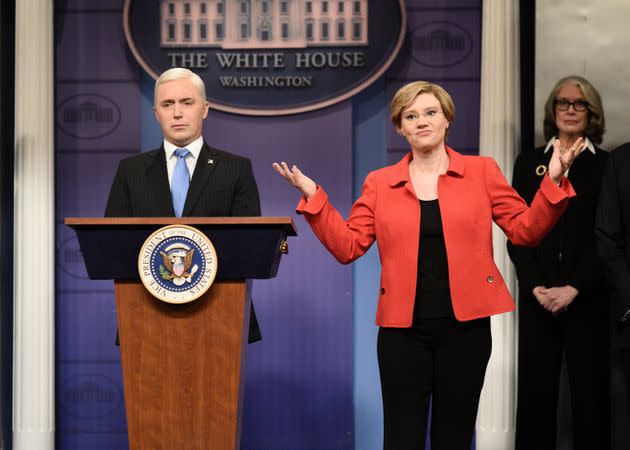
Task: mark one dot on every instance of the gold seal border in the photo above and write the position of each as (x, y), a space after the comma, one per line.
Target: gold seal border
(213, 267)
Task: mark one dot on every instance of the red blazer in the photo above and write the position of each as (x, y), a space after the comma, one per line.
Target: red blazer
(472, 194)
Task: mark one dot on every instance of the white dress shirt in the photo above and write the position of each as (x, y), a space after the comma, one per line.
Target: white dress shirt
(587, 144)
(191, 160)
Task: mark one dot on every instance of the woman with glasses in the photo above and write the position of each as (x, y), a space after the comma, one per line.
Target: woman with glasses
(431, 214)
(562, 302)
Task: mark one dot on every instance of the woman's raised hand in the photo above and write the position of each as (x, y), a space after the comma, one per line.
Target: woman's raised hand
(294, 176)
(562, 158)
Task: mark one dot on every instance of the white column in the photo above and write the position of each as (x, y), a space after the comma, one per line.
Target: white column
(499, 138)
(33, 259)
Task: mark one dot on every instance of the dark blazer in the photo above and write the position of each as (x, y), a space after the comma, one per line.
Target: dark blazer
(579, 335)
(612, 228)
(568, 254)
(222, 184)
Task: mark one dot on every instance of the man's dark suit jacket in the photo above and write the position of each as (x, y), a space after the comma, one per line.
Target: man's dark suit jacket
(612, 231)
(222, 184)
(613, 227)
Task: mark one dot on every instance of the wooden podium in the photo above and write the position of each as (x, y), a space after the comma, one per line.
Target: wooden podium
(184, 364)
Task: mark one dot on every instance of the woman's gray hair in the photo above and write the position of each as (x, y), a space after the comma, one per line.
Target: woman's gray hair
(596, 126)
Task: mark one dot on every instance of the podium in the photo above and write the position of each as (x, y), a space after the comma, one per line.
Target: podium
(183, 364)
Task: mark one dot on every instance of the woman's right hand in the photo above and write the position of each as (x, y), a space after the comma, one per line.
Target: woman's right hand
(562, 158)
(294, 176)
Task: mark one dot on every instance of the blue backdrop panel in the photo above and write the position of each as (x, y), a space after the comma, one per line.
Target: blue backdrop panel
(90, 409)
(299, 378)
(91, 45)
(370, 117)
(298, 391)
(98, 117)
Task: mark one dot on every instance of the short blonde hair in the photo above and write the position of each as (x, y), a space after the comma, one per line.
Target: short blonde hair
(596, 126)
(179, 73)
(408, 93)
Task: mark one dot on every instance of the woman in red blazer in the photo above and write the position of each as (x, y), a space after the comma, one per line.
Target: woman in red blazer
(432, 215)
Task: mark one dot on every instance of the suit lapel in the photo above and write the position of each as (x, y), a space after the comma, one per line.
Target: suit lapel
(207, 162)
(157, 177)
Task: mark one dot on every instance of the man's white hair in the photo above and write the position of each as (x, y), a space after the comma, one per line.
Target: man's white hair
(179, 73)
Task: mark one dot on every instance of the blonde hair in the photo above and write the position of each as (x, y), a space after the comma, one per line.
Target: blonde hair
(408, 93)
(596, 126)
(179, 73)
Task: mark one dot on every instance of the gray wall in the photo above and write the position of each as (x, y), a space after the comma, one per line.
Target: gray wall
(587, 38)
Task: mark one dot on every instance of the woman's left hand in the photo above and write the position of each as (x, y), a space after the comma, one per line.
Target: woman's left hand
(562, 158)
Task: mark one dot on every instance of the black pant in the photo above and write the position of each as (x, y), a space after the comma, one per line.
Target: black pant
(439, 360)
(581, 335)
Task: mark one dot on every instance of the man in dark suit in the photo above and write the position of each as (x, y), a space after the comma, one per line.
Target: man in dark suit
(612, 232)
(215, 183)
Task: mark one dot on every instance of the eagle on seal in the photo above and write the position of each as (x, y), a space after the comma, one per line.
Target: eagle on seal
(177, 263)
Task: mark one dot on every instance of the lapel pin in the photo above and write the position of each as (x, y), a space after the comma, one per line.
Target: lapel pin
(211, 161)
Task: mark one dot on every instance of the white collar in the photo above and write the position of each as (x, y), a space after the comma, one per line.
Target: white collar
(194, 147)
(587, 143)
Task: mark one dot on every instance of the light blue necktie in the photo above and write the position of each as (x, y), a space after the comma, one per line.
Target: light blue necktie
(180, 181)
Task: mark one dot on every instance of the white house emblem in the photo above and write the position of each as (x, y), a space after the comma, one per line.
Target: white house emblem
(269, 57)
(177, 264)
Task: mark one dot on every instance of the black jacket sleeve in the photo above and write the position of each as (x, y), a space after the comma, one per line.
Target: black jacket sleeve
(246, 201)
(118, 202)
(611, 236)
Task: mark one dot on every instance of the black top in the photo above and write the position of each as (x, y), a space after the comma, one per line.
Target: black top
(433, 296)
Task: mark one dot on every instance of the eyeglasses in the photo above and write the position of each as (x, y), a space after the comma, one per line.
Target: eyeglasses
(578, 105)
(428, 115)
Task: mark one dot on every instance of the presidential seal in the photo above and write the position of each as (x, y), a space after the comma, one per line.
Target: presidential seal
(177, 264)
